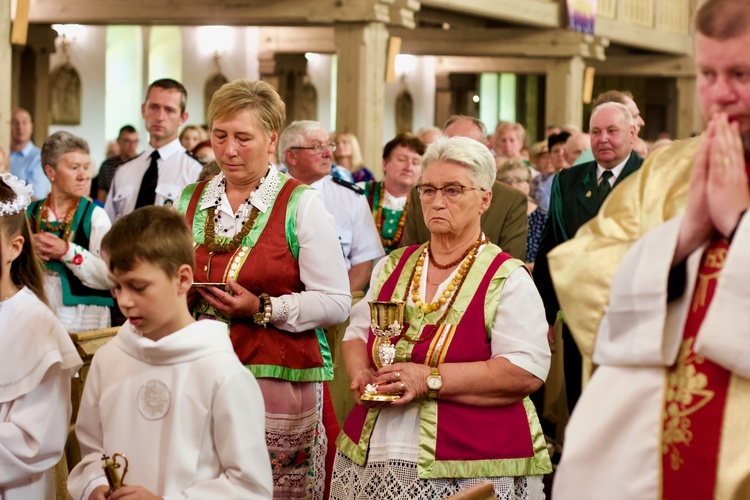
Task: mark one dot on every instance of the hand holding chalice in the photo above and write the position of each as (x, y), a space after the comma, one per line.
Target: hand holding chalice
(387, 322)
(114, 478)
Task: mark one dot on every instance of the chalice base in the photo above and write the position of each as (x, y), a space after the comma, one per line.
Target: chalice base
(380, 397)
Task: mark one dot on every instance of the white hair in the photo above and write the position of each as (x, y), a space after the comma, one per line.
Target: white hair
(467, 153)
(294, 135)
(615, 105)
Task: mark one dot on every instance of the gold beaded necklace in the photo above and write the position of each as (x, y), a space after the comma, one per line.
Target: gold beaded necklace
(451, 291)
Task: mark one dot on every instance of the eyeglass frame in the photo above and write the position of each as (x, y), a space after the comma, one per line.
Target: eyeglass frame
(512, 180)
(317, 149)
(446, 195)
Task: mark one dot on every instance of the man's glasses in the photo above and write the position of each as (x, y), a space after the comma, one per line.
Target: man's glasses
(318, 149)
(450, 191)
(512, 180)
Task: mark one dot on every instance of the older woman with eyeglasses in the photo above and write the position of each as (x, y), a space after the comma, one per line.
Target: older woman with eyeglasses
(473, 348)
(516, 174)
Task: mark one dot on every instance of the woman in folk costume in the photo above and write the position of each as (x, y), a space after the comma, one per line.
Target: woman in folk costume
(474, 346)
(68, 230)
(388, 199)
(271, 241)
(37, 360)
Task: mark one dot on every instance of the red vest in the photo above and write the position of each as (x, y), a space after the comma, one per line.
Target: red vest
(497, 436)
(270, 267)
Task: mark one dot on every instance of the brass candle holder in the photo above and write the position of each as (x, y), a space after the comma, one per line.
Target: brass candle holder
(387, 321)
(114, 478)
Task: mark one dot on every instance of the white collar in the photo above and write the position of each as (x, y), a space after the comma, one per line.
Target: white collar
(166, 150)
(615, 171)
(262, 198)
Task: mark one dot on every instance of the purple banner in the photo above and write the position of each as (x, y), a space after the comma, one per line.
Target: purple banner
(581, 15)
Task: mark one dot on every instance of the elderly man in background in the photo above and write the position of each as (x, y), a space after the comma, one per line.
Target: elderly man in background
(670, 395)
(25, 157)
(577, 194)
(576, 145)
(504, 222)
(305, 148)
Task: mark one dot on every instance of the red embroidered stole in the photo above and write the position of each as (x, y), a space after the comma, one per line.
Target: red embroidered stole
(694, 401)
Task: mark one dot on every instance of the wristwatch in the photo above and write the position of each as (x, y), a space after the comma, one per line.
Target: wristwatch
(434, 383)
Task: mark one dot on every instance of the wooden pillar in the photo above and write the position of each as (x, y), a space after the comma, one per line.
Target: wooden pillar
(6, 75)
(564, 92)
(443, 99)
(689, 119)
(360, 102)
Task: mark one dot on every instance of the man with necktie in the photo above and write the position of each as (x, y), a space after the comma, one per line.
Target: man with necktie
(157, 176)
(577, 194)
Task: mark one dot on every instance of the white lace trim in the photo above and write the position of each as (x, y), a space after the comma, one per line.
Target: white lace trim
(398, 480)
(280, 310)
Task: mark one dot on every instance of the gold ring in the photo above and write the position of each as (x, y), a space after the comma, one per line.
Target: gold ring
(726, 161)
(403, 387)
(398, 376)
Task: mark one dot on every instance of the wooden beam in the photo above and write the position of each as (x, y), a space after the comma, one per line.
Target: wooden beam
(627, 65)
(202, 12)
(296, 40)
(545, 13)
(633, 35)
(454, 64)
(500, 42)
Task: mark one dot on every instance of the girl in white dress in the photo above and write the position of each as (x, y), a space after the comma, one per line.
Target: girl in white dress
(37, 359)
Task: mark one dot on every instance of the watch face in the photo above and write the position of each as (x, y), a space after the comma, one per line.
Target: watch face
(434, 383)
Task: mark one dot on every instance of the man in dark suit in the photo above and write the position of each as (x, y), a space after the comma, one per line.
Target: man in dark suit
(505, 223)
(577, 194)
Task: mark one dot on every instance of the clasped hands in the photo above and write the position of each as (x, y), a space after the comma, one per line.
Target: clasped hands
(241, 303)
(49, 246)
(406, 379)
(718, 187)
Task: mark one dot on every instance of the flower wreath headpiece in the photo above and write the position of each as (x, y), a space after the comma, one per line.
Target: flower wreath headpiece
(23, 195)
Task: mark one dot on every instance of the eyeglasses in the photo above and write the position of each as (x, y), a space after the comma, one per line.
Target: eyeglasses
(319, 148)
(450, 191)
(513, 180)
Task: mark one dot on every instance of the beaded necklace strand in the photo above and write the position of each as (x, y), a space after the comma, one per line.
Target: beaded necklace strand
(380, 220)
(43, 224)
(451, 291)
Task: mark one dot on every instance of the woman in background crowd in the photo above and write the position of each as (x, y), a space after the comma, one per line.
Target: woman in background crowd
(191, 136)
(68, 230)
(349, 155)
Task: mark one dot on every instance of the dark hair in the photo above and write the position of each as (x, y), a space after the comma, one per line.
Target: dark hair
(127, 129)
(169, 84)
(557, 139)
(723, 19)
(26, 269)
(157, 235)
(404, 140)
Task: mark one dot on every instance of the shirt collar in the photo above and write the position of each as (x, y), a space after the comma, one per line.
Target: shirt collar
(615, 171)
(166, 150)
(26, 150)
(262, 199)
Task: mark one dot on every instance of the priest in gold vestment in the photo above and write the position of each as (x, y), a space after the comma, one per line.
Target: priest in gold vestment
(665, 415)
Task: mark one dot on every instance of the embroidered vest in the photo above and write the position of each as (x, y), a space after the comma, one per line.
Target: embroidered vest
(456, 440)
(74, 292)
(266, 262)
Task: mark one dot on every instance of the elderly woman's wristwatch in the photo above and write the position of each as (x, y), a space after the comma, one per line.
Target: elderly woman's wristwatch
(434, 383)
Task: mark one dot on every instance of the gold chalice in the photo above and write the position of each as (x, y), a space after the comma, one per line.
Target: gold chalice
(114, 478)
(387, 322)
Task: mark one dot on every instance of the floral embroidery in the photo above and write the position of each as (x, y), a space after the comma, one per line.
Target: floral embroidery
(77, 258)
(686, 394)
(301, 458)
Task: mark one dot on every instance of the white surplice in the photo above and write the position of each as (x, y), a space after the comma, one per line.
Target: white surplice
(37, 361)
(613, 441)
(183, 410)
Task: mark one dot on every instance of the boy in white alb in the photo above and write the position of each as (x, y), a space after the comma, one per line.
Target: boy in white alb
(167, 392)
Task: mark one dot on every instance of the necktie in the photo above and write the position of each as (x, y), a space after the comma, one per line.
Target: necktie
(604, 187)
(147, 192)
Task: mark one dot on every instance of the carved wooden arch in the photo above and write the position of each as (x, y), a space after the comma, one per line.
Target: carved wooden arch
(213, 84)
(404, 112)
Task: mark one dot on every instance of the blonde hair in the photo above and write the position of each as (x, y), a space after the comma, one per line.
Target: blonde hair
(357, 160)
(511, 166)
(256, 96)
